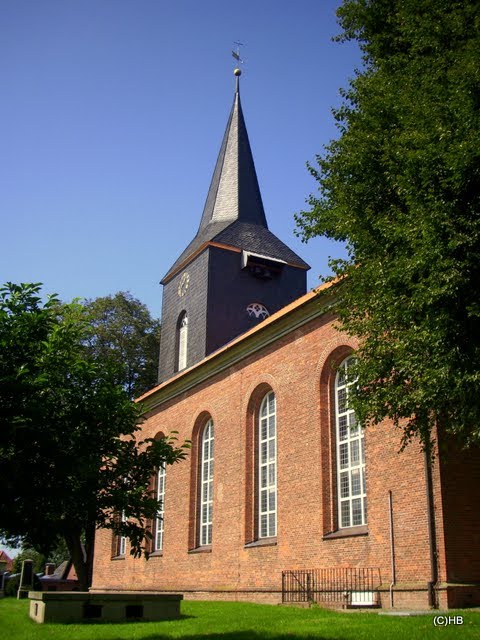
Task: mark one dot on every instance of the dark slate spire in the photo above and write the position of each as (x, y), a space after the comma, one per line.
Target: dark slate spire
(233, 211)
(234, 193)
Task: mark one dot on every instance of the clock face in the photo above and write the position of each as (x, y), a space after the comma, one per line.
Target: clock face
(183, 284)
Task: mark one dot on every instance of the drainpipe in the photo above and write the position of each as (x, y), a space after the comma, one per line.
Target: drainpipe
(392, 546)
(432, 538)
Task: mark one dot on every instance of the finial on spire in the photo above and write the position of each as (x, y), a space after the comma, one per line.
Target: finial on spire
(237, 73)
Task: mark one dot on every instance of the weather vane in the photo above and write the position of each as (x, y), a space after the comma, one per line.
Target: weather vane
(236, 54)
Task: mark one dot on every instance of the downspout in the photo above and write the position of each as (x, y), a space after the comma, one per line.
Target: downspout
(432, 537)
(392, 546)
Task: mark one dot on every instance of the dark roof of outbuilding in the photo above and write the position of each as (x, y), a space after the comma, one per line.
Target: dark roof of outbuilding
(233, 212)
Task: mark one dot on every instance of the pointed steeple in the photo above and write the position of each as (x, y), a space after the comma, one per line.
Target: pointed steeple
(233, 212)
(234, 193)
(233, 264)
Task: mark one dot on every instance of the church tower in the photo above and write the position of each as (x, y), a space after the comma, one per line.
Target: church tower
(235, 272)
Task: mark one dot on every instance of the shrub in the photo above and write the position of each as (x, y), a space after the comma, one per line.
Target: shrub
(12, 584)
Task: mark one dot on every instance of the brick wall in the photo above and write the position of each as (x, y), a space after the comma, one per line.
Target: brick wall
(460, 478)
(299, 367)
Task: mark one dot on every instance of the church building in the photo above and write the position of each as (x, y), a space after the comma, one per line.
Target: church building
(283, 497)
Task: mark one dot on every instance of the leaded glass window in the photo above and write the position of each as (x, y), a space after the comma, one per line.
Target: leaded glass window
(159, 521)
(352, 497)
(206, 484)
(122, 540)
(267, 467)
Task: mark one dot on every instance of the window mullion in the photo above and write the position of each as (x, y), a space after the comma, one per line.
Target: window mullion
(206, 484)
(349, 454)
(267, 468)
(159, 523)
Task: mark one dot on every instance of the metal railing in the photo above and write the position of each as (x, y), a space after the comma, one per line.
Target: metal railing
(330, 585)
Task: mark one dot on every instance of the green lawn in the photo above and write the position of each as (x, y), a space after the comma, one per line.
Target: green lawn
(240, 621)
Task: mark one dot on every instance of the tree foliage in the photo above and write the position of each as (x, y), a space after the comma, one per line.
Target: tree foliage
(124, 333)
(38, 559)
(401, 187)
(69, 457)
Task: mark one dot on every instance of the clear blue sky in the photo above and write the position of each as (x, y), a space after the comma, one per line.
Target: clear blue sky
(111, 118)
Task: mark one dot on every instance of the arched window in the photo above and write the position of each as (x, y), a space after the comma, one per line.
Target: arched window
(206, 484)
(267, 467)
(159, 520)
(121, 545)
(350, 447)
(182, 341)
(122, 540)
(119, 541)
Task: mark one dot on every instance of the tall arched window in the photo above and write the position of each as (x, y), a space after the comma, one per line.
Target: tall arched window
(119, 541)
(267, 467)
(182, 341)
(206, 484)
(352, 497)
(122, 540)
(159, 521)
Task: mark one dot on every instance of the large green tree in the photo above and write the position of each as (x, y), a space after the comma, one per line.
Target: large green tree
(70, 460)
(123, 332)
(401, 186)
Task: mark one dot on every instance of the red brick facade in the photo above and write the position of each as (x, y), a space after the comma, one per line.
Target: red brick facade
(295, 354)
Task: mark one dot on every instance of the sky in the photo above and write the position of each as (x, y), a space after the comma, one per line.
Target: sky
(111, 119)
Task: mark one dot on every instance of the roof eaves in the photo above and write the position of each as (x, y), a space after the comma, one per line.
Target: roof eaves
(187, 261)
(268, 331)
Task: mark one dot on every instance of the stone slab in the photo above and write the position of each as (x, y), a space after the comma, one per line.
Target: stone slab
(77, 606)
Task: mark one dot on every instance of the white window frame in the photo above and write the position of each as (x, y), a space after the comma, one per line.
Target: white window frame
(182, 342)
(159, 521)
(206, 484)
(350, 454)
(122, 542)
(267, 467)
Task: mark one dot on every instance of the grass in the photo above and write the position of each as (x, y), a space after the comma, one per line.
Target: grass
(242, 621)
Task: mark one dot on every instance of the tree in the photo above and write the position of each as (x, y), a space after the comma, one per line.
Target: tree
(69, 457)
(401, 187)
(124, 333)
(38, 559)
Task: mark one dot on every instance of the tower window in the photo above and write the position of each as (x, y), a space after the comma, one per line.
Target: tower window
(182, 341)
(257, 310)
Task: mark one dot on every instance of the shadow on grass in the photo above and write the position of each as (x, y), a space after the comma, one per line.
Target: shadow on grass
(126, 623)
(237, 635)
